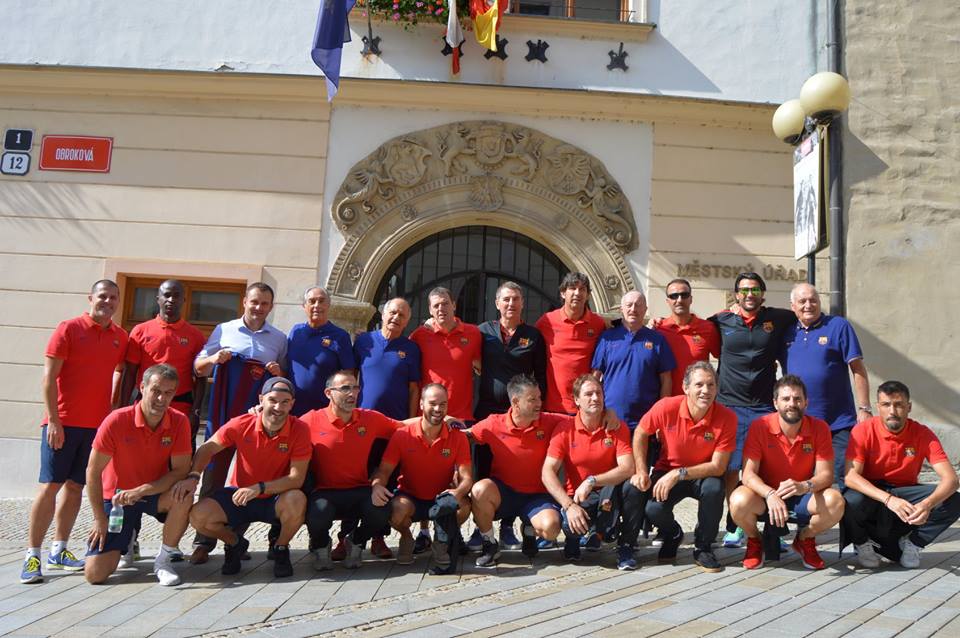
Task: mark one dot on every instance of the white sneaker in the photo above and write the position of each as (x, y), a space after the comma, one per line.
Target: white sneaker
(163, 568)
(910, 556)
(128, 558)
(867, 556)
(321, 559)
(354, 557)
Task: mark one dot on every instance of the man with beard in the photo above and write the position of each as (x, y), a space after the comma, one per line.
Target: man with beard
(788, 471)
(886, 507)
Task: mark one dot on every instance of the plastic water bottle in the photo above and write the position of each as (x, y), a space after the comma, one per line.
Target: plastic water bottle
(115, 521)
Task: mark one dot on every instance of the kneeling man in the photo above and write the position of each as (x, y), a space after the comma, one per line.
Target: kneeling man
(429, 453)
(886, 507)
(697, 436)
(273, 452)
(138, 455)
(597, 464)
(787, 470)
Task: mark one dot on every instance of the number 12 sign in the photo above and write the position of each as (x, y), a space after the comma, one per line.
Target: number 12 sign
(14, 163)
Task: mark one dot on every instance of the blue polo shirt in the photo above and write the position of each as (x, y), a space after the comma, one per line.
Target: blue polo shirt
(821, 355)
(387, 368)
(265, 345)
(315, 354)
(631, 365)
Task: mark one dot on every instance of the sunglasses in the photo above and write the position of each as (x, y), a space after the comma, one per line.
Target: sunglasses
(756, 290)
(678, 295)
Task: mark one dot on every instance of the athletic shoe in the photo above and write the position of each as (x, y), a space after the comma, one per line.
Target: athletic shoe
(625, 560)
(354, 558)
(571, 548)
(233, 555)
(406, 550)
(529, 544)
(441, 559)
(379, 548)
(910, 553)
(65, 560)
(163, 568)
(176, 556)
(31, 571)
(321, 559)
(753, 557)
(657, 540)
(340, 551)
(707, 561)
(132, 555)
(543, 543)
(807, 548)
(475, 542)
(734, 539)
(591, 542)
(867, 555)
(785, 546)
(281, 562)
(508, 538)
(422, 542)
(490, 554)
(668, 550)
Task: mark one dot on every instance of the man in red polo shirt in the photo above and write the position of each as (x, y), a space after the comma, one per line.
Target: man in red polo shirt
(273, 453)
(690, 338)
(143, 450)
(570, 334)
(886, 508)
(450, 352)
(697, 436)
(429, 453)
(787, 470)
(78, 373)
(343, 436)
(597, 465)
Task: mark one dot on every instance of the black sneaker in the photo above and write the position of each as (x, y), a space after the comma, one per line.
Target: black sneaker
(529, 546)
(422, 543)
(489, 555)
(272, 537)
(707, 561)
(232, 555)
(668, 551)
(571, 548)
(281, 562)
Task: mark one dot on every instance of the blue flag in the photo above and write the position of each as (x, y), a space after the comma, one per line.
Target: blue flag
(332, 31)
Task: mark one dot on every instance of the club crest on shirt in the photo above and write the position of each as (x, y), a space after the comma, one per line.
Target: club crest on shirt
(524, 342)
(808, 448)
(708, 436)
(768, 326)
(608, 442)
(166, 440)
(283, 447)
(116, 343)
(648, 345)
(696, 338)
(910, 451)
(464, 341)
(591, 332)
(445, 452)
(822, 341)
(361, 431)
(401, 354)
(184, 341)
(325, 342)
(540, 434)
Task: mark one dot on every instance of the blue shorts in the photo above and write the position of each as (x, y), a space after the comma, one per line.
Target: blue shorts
(515, 504)
(131, 522)
(421, 507)
(798, 508)
(70, 461)
(263, 510)
(745, 416)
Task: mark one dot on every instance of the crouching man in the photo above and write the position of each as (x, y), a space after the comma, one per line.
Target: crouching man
(138, 455)
(787, 471)
(273, 452)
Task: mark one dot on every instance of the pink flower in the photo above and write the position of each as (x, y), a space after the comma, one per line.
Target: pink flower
(364, 14)
(396, 5)
(439, 11)
(396, 16)
(419, 4)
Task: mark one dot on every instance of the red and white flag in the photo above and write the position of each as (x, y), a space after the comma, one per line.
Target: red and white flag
(454, 35)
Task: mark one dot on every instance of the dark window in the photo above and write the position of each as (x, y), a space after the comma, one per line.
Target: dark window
(207, 303)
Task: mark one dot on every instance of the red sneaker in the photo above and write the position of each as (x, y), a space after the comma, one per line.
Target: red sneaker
(807, 548)
(340, 551)
(753, 557)
(378, 547)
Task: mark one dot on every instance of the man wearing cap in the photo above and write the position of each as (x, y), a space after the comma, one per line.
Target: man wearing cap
(78, 373)
(697, 436)
(273, 452)
(428, 453)
(888, 511)
(788, 470)
(139, 453)
(690, 338)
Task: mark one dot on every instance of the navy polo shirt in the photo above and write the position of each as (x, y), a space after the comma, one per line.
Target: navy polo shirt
(387, 368)
(525, 353)
(749, 354)
(314, 354)
(821, 355)
(631, 365)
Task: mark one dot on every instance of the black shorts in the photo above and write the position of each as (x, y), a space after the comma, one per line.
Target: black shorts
(70, 461)
(131, 522)
(263, 510)
(421, 507)
(515, 504)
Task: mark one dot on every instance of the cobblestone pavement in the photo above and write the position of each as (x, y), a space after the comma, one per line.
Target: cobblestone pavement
(521, 597)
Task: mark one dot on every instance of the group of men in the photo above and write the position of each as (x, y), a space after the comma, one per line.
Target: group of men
(579, 426)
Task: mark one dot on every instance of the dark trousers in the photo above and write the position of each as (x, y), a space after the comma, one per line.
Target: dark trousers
(616, 513)
(865, 518)
(707, 491)
(326, 506)
(214, 478)
(840, 440)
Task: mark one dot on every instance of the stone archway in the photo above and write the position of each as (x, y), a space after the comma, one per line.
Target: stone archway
(479, 172)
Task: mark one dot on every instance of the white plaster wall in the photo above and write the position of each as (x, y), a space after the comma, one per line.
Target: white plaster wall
(742, 50)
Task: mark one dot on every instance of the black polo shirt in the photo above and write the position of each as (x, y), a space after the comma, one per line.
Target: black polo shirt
(749, 354)
(524, 354)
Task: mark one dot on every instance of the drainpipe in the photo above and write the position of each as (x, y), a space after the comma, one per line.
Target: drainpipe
(838, 298)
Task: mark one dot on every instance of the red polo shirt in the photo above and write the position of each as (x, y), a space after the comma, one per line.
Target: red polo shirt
(570, 346)
(261, 457)
(341, 450)
(176, 344)
(426, 469)
(518, 454)
(138, 454)
(779, 458)
(693, 342)
(686, 443)
(893, 458)
(90, 356)
(587, 453)
(447, 358)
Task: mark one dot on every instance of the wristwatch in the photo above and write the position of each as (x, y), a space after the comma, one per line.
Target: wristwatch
(682, 472)
(592, 480)
(864, 408)
(809, 485)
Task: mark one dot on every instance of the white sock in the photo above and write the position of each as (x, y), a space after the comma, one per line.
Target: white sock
(166, 549)
(57, 547)
(488, 535)
(32, 551)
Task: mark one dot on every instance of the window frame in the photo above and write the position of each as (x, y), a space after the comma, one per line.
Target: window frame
(130, 283)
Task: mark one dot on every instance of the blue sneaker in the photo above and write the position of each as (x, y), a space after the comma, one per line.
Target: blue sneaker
(31, 571)
(475, 542)
(508, 538)
(625, 559)
(591, 542)
(65, 560)
(734, 539)
(543, 543)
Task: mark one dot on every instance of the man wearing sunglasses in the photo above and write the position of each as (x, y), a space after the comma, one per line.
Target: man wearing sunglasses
(690, 338)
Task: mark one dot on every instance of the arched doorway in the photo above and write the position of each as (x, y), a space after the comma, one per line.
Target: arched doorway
(472, 261)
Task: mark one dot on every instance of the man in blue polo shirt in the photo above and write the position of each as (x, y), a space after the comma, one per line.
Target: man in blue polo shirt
(823, 350)
(389, 365)
(634, 362)
(316, 349)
